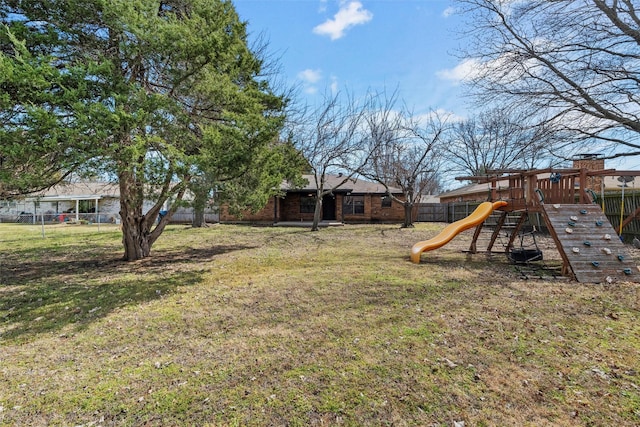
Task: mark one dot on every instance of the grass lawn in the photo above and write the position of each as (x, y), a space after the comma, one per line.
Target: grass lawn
(250, 326)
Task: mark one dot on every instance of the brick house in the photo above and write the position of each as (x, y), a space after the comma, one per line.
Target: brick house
(356, 201)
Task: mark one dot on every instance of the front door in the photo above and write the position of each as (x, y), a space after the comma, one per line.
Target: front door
(328, 208)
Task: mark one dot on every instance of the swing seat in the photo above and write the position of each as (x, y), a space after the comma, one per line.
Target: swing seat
(523, 256)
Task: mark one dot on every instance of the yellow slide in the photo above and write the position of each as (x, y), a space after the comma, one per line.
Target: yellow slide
(478, 216)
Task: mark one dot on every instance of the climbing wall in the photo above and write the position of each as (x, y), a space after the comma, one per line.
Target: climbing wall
(589, 244)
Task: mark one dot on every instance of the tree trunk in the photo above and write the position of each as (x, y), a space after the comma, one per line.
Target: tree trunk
(136, 237)
(198, 219)
(140, 231)
(408, 215)
(135, 241)
(317, 214)
(199, 204)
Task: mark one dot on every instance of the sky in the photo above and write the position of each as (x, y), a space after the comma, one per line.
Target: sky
(360, 46)
(356, 46)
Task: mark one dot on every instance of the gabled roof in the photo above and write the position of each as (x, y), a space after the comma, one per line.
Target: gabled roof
(353, 185)
(466, 190)
(83, 190)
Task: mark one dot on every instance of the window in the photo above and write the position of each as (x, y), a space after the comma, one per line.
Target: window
(86, 206)
(353, 205)
(307, 204)
(386, 201)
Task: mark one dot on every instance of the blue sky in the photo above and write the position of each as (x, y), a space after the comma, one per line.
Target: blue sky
(371, 45)
(362, 45)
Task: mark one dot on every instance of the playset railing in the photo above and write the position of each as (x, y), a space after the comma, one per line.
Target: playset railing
(529, 189)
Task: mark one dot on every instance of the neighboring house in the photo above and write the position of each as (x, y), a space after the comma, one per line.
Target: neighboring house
(475, 193)
(94, 201)
(84, 200)
(356, 201)
(429, 199)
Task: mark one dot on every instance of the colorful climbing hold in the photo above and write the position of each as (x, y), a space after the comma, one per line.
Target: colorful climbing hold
(606, 251)
(607, 237)
(595, 263)
(627, 271)
(583, 211)
(568, 230)
(587, 243)
(620, 257)
(599, 223)
(572, 224)
(573, 218)
(575, 250)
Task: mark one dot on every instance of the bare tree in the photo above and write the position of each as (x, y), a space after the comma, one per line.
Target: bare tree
(572, 61)
(405, 152)
(499, 138)
(331, 140)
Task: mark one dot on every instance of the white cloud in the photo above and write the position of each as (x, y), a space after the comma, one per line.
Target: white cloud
(310, 90)
(334, 85)
(508, 67)
(310, 76)
(464, 71)
(449, 11)
(350, 14)
(441, 114)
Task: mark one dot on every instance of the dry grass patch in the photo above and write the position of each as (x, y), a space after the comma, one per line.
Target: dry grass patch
(273, 326)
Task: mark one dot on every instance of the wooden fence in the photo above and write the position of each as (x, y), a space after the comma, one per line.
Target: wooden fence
(614, 206)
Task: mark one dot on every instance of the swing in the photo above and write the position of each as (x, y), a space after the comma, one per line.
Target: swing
(523, 255)
(524, 258)
(624, 180)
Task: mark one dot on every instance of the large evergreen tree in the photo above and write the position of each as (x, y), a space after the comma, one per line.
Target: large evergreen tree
(151, 93)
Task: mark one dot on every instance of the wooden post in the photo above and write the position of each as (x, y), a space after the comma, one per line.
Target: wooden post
(583, 186)
(476, 234)
(566, 267)
(529, 189)
(496, 232)
(516, 230)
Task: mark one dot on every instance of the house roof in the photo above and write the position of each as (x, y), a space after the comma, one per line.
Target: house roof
(92, 190)
(466, 190)
(336, 182)
(84, 190)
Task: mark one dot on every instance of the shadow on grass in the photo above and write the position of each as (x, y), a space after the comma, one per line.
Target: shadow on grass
(456, 260)
(45, 295)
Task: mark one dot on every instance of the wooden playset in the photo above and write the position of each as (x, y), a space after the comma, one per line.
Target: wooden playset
(590, 248)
